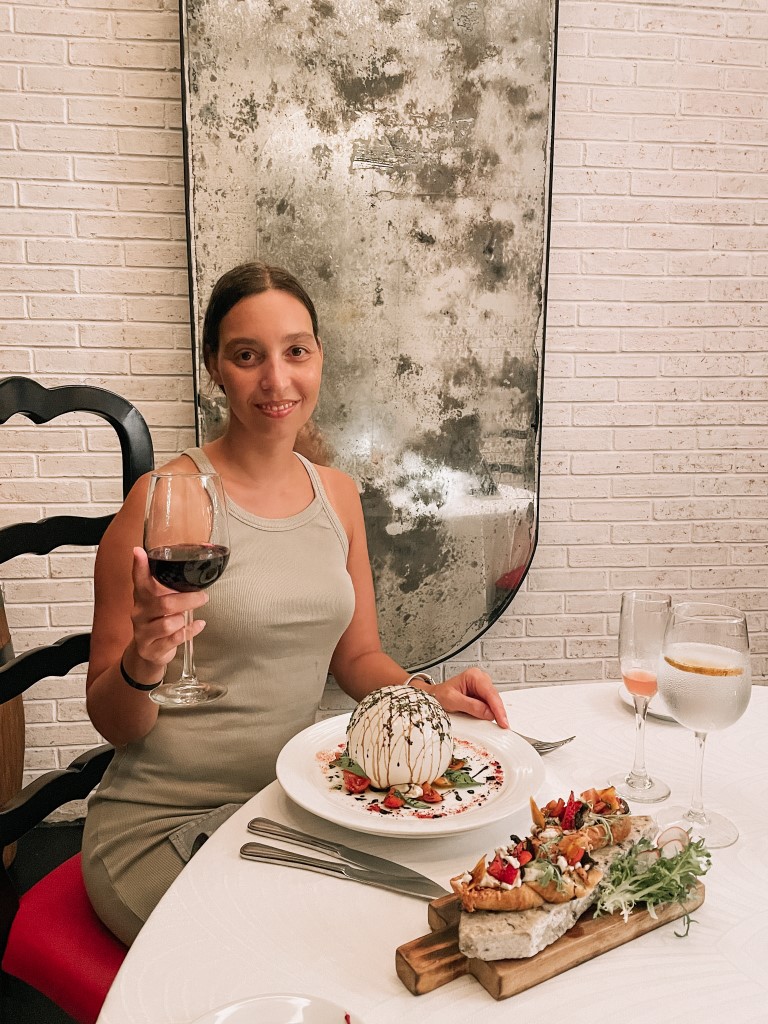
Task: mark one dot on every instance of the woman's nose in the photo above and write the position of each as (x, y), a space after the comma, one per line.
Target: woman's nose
(273, 375)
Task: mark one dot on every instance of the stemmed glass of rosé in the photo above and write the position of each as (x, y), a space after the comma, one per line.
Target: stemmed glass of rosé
(644, 617)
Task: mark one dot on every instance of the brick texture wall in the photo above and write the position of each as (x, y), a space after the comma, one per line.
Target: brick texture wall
(93, 289)
(655, 447)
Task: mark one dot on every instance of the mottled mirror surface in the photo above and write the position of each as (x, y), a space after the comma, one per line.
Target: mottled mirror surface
(395, 156)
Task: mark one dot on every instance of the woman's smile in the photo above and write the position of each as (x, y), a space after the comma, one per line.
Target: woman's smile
(276, 410)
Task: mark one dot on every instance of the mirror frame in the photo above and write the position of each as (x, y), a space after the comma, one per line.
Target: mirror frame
(210, 408)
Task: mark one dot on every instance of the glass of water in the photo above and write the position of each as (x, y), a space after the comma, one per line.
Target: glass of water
(705, 680)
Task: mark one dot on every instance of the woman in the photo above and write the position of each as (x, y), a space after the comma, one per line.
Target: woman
(297, 599)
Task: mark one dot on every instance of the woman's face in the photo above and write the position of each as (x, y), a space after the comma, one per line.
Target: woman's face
(269, 363)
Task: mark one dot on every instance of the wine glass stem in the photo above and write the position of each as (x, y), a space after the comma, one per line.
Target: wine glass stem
(641, 710)
(696, 811)
(188, 672)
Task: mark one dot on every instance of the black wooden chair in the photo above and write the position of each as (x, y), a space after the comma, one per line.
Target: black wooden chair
(50, 937)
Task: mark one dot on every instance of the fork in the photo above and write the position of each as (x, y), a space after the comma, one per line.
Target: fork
(544, 746)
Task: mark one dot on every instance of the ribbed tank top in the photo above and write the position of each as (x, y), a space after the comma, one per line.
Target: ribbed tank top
(273, 620)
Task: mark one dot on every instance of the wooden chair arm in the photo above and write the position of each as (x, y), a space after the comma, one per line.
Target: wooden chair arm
(44, 794)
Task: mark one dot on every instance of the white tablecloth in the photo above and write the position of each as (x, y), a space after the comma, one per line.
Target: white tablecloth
(228, 928)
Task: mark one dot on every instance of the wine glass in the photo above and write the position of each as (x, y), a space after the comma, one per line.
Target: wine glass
(706, 680)
(643, 620)
(186, 537)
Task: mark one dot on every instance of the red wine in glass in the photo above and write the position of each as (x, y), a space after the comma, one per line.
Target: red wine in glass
(188, 567)
(186, 537)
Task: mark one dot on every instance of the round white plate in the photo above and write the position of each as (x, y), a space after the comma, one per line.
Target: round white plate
(656, 709)
(279, 1009)
(301, 776)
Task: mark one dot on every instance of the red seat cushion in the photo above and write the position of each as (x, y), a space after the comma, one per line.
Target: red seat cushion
(60, 947)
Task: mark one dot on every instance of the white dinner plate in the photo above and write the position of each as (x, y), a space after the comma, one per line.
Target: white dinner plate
(656, 709)
(280, 1009)
(300, 773)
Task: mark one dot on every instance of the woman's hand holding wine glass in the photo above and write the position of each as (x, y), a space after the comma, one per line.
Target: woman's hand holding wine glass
(158, 617)
(186, 540)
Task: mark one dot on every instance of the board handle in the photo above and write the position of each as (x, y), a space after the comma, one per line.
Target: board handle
(444, 912)
(431, 961)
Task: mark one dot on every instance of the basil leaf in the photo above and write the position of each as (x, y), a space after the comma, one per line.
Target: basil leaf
(346, 764)
(460, 778)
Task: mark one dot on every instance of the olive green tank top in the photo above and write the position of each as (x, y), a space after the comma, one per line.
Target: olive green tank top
(273, 620)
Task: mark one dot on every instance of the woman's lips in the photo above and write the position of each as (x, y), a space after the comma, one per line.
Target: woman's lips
(276, 410)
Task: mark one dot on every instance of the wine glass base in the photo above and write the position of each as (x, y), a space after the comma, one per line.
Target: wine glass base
(716, 830)
(186, 695)
(644, 791)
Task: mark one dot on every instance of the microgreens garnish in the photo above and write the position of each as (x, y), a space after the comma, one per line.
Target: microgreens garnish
(663, 880)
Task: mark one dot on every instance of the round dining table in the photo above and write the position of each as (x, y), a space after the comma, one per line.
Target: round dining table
(229, 929)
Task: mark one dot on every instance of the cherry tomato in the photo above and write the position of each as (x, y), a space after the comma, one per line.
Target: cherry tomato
(355, 783)
(502, 871)
(429, 795)
(393, 800)
(496, 867)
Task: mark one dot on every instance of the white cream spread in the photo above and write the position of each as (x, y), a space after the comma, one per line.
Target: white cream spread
(400, 735)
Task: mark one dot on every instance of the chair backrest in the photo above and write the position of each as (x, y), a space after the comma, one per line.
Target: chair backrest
(11, 734)
(40, 404)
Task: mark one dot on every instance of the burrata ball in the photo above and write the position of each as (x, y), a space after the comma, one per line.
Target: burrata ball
(398, 735)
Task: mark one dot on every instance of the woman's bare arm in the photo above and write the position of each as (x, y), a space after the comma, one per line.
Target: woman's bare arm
(359, 664)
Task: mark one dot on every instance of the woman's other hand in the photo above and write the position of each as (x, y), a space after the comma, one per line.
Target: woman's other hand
(158, 617)
(472, 692)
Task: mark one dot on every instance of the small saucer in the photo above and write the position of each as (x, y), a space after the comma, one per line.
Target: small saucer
(280, 1009)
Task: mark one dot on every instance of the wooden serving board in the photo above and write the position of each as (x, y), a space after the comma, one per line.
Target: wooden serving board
(435, 959)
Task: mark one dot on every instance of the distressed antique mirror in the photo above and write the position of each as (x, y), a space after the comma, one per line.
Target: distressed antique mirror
(396, 158)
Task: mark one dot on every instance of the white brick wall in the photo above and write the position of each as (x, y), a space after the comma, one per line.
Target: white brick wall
(655, 453)
(93, 288)
(655, 460)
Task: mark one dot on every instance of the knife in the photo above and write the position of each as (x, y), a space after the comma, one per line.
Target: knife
(418, 886)
(265, 827)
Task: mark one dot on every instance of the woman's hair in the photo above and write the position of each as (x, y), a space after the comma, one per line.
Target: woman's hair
(239, 283)
(253, 279)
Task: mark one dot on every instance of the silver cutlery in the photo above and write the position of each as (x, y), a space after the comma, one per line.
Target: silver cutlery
(268, 829)
(420, 886)
(544, 746)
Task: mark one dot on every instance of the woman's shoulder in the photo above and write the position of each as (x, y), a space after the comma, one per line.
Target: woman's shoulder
(343, 495)
(138, 492)
(182, 463)
(335, 480)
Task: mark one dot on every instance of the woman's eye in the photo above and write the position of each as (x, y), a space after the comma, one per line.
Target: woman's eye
(244, 357)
